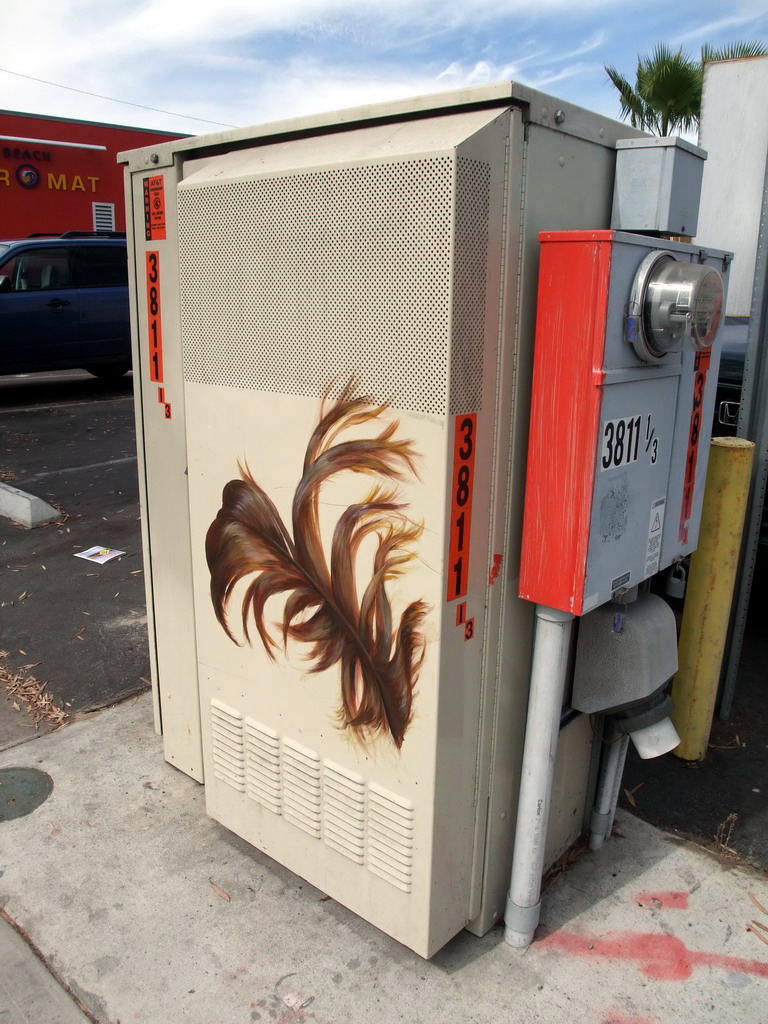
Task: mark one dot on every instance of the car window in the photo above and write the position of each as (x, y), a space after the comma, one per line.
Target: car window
(100, 265)
(37, 269)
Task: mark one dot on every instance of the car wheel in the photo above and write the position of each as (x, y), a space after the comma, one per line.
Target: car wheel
(111, 371)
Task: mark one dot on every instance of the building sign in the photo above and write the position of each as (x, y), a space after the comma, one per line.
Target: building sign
(28, 176)
(17, 153)
(60, 174)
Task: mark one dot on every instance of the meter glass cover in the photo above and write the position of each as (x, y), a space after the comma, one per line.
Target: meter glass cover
(681, 306)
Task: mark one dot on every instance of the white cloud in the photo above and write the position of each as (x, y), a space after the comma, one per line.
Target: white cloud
(548, 78)
(308, 88)
(240, 61)
(741, 19)
(483, 72)
(594, 42)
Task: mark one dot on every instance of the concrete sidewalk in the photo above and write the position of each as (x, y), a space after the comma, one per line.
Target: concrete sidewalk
(147, 910)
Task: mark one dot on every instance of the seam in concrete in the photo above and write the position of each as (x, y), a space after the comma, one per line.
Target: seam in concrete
(79, 469)
(25, 509)
(55, 978)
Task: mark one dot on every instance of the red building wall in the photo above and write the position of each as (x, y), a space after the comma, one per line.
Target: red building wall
(49, 187)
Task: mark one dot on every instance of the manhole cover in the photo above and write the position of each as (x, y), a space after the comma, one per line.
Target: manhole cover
(22, 790)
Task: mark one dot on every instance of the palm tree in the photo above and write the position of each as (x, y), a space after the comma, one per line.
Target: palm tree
(666, 96)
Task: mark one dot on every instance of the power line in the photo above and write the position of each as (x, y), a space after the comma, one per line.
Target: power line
(112, 99)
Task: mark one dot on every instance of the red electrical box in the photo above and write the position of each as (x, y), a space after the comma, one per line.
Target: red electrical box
(623, 393)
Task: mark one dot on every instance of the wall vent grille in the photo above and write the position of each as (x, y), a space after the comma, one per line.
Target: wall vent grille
(262, 761)
(363, 822)
(227, 745)
(470, 273)
(344, 811)
(301, 787)
(390, 837)
(291, 281)
(103, 216)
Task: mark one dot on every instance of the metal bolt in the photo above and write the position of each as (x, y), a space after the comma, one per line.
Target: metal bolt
(154, 158)
(559, 116)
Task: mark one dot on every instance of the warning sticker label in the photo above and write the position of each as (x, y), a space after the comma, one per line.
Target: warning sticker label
(154, 208)
(655, 531)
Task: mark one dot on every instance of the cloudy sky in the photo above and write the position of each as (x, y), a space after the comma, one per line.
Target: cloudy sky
(239, 62)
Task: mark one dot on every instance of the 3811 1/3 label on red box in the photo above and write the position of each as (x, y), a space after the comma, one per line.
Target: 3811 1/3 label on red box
(462, 484)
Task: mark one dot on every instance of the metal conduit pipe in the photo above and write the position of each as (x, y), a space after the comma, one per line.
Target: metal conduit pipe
(545, 703)
(611, 769)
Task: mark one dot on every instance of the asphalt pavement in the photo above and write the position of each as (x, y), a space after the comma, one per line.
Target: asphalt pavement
(722, 801)
(77, 626)
(122, 901)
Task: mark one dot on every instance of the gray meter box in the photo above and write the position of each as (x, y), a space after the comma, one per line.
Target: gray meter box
(658, 184)
(623, 394)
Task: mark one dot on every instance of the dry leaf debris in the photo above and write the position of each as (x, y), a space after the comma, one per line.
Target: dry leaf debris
(724, 835)
(630, 794)
(758, 928)
(220, 892)
(29, 694)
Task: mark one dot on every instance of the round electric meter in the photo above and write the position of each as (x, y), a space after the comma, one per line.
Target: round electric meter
(674, 305)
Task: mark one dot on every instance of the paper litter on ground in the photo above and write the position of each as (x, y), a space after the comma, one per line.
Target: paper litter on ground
(99, 554)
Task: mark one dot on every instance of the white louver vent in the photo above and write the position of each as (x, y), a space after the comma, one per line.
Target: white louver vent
(262, 753)
(344, 811)
(227, 743)
(390, 837)
(103, 216)
(301, 787)
(361, 821)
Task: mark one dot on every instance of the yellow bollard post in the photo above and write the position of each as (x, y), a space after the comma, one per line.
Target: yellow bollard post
(709, 594)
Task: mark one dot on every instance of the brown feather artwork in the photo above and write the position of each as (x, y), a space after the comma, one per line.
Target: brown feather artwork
(379, 661)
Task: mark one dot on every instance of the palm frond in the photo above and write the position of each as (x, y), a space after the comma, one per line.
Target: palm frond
(632, 105)
(733, 51)
(666, 95)
(670, 85)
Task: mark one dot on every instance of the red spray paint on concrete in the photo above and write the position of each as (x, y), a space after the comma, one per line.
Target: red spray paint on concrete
(661, 957)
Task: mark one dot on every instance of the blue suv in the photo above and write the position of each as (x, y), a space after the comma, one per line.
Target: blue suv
(64, 304)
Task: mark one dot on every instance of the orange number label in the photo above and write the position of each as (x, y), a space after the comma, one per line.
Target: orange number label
(154, 317)
(462, 481)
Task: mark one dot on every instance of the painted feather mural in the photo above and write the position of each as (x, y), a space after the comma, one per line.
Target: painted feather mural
(378, 659)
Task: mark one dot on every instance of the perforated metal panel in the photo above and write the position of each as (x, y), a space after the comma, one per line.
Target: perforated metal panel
(469, 284)
(286, 285)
